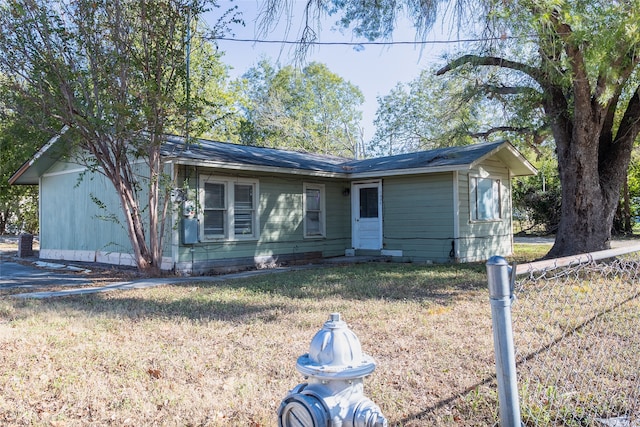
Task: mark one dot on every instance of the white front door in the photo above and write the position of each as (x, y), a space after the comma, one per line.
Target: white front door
(366, 211)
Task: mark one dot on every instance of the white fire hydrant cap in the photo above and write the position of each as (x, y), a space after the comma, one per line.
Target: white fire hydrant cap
(335, 353)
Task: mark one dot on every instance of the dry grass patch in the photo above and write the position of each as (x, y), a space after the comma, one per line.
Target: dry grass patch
(224, 354)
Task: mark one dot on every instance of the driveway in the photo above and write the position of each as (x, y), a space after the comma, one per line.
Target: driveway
(15, 275)
(47, 281)
(33, 278)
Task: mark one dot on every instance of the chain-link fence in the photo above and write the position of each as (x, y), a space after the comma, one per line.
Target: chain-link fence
(576, 330)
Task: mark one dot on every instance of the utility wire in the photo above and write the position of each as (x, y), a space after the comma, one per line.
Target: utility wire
(367, 43)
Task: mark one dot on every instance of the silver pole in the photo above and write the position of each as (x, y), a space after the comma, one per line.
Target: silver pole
(500, 292)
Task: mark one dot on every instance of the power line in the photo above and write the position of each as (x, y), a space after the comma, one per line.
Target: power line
(367, 43)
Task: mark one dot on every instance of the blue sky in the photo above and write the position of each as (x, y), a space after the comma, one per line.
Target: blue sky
(374, 69)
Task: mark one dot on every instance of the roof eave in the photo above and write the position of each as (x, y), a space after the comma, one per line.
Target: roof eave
(20, 177)
(515, 161)
(412, 171)
(262, 169)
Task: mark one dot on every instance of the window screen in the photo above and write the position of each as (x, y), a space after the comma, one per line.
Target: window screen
(485, 199)
(243, 209)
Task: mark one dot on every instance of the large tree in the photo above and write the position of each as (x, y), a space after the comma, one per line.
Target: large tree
(577, 59)
(112, 74)
(310, 109)
(431, 111)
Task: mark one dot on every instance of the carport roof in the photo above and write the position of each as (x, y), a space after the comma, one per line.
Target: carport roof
(243, 157)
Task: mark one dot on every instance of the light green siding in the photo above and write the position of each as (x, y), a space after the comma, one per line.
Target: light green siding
(71, 219)
(418, 216)
(82, 218)
(418, 213)
(281, 231)
(479, 240)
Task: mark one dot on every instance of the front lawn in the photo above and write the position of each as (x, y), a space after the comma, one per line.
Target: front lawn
(225, 353)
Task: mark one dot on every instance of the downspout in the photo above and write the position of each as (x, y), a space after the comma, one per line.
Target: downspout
(510, 203)
(175, 225)
(40, 216)
(456, 218)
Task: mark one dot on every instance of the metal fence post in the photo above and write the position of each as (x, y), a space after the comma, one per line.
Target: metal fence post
(500, 292)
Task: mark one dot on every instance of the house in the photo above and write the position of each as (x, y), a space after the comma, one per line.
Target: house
(243, 206)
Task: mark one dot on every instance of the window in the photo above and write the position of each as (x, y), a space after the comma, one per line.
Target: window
(228, 208)
(243, 212)
(485, 199)
(369, 202)
(314, 210)
(214, 210)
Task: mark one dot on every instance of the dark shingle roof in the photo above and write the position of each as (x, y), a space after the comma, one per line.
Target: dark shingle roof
(212, 151)
(438, 158)
(234, 156)
(222, 152)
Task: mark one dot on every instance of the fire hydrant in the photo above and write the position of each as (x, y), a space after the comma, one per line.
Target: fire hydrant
(334, 394)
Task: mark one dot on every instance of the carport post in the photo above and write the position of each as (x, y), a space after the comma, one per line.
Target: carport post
(500, 292)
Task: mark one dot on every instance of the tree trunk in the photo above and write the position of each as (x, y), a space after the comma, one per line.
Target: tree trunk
(4, 216)
(586, 216)
(626, 209)
(135, 227)
(593, 166)
(156, 218)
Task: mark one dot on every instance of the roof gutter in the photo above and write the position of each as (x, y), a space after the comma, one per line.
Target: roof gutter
(415, 171)
(254, 168)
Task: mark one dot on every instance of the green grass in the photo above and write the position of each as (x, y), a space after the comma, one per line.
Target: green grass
(529, 252)
(224, 354)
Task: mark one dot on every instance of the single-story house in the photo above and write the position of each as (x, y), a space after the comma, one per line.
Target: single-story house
(242, 206)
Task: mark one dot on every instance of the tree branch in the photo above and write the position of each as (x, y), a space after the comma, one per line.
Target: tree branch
(494, 61)
(491, 131)
(630, 124)
(506, 90)
(612, 103)
(614, 158)
(578, 70)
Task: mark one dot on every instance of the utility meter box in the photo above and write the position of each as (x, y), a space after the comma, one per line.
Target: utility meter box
(189, 231)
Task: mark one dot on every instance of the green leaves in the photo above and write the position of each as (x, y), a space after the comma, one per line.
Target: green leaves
(114, 72)
(310, 109)
(18, 204)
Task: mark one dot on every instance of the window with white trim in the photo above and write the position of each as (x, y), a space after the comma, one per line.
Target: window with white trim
(228, 208)
(314, 210)
(485, 199)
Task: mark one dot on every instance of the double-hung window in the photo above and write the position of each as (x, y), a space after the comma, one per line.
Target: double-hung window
(314, 210)
(228, 208)
(485, 199)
